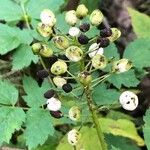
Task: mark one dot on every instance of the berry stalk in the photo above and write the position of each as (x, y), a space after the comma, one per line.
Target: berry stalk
(103, 145)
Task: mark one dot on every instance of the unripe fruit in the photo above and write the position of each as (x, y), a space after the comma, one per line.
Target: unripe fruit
(99, 61)
(128, 100)
(83, 39)
(48, 17)
(81, 11)
(44, 30)
(115, 34)
(96, 17)
(59, 81)
(106, 32)
(104, 42)
(94, 49)
(48, 94)
(36, 47)
(56, 114)
(74, 53)
(85, 78)
(74, 31)
(61, 42)
(122, 65)
(46, 51)
(59, 67)
(67, 87)
(84, 27)
(71, 17)
(74, 113)
(53, 104)
(42, 74)
(73, 137)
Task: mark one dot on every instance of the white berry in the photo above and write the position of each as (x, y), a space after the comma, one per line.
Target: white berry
(94, 49)
(59, 81)
(74, 31)
(129, 100)
(74, 113)
(48, 17)
(71, 17)
(53, 104)
(73, 137)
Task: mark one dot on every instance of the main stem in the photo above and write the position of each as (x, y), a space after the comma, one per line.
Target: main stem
(100, 134)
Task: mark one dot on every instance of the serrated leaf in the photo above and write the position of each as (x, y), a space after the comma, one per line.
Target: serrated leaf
(111, 51)
(8, 93)
(140, 23)
(10, 11)
(61, 24)
(104, 96)
(121, 127)
(146, 128)
(11, 119)
(88, 139)
(11, 38)
(120, 143)
(138, 52)
(127, 79)
(38, 127)
(34, 7)
(22, 57)
(34, 97)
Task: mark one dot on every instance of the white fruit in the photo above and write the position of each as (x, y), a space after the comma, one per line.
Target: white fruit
(53, 104)
(129, 100)
(71, 17)
(48, 17)
(94, 49)
(74, 113)
(74, 31)
(59, 81)
(73, 137)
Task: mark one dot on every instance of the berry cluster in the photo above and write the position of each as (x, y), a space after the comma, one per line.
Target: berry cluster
(75, 47)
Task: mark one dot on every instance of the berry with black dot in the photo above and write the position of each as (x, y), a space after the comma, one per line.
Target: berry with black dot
(49, 94)
(104, 42)
(67, 87)
(83, 39)
(56, 114)
(42, 74)
(84, 27)
(105, 32)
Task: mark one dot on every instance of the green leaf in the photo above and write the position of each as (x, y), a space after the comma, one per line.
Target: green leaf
(103, 96)
(11, 119)
(111, 52)
(88, 139)
(11, 38)
(140, 23)
(34, 7)
(138, 52)
(91, 5)
(38, 127)
(61, 24)
(146, 128)
(120, 143)
(127, 79)
(121, 127)
(8, 93)
(22, 57)
(34, 97)
(114, 148)
(10, 11)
